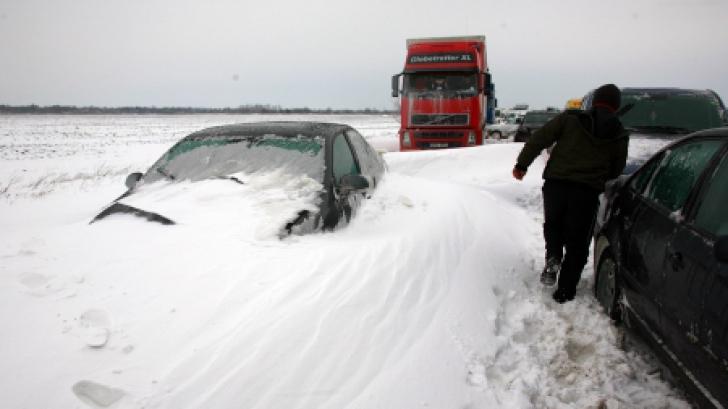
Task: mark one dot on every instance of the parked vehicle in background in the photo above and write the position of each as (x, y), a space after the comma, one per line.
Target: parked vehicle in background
(446, 93)
(667, 112)
(333, 163)
(520, 109)
(661, 256)
(532, 121)
(504, 128)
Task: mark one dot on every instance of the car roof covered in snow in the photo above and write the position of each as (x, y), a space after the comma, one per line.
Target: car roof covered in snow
(287, 129)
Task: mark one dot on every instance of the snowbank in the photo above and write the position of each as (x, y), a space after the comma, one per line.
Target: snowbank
(429, 298)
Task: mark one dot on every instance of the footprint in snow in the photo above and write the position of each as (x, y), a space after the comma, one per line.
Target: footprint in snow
(97, 395)
(33, 281)
(95, 327)
(39, 285)
(476, 374)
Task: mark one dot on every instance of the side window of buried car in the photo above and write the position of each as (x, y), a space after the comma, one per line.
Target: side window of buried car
(343, 160)
(369, 159)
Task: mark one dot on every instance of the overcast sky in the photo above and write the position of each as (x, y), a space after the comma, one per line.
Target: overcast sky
(341, 53)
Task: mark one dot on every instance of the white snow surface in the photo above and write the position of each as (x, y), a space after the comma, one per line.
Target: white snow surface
(428, 298)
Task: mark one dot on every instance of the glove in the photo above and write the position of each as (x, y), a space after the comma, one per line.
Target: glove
(518, 174)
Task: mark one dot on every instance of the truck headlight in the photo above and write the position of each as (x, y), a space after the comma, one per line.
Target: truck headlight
(471, 138)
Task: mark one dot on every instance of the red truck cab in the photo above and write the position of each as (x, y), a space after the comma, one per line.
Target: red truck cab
(446, 93)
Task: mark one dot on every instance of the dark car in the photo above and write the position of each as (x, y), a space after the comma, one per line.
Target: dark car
(666, 113)
(532, 121)
(661, 258)
(333, 155)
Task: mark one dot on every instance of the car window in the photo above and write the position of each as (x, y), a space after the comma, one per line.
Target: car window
(678, 172)
(198, 157)
(712, 215)
(538, 117)
(369, 160)
(343, 160)
(642, 177)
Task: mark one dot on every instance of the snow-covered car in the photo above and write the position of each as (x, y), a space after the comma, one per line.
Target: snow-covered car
(322, 171)
(503, 129)
(661, 258)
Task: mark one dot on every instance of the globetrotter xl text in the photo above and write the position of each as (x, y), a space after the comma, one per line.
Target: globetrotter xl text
(440, 58)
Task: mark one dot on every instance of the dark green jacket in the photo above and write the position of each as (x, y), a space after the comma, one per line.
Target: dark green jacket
(577, 154)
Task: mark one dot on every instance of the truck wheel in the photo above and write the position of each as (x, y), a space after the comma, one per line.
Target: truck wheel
(606, 286)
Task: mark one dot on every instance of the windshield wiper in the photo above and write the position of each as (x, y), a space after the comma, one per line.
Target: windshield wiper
(162, 171)
(660, 129)
(233, 178)
(625, 109)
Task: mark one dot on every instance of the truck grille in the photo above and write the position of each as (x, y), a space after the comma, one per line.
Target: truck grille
(439, 135)
(439, 119)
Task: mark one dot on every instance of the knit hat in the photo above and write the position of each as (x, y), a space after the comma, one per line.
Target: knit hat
(607, 95)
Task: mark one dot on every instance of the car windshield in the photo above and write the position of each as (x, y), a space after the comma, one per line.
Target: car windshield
(670, 112)
(199, 157)
(538, 117)
(444, 84)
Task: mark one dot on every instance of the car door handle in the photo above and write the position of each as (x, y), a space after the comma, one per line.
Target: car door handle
(676, 260)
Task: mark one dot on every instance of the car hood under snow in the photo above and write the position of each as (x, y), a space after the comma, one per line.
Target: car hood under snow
(259, 207)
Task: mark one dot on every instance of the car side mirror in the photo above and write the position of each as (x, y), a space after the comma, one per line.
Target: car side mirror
(395, 85)
(721, 249)
(350, 183)
(133, 179)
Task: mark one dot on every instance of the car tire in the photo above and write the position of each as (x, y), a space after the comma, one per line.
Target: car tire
(606, 286)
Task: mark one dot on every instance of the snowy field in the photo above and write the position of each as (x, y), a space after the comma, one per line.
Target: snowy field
(429, 298)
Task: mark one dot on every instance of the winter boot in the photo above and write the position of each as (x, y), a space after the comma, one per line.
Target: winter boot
(550, 271)
(562, 295)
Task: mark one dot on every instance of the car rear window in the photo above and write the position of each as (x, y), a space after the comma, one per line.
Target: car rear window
(678, 111)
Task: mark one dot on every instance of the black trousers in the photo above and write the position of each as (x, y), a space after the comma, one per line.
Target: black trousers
(569, 212)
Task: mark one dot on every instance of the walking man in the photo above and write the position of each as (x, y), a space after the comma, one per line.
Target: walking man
(588, 148)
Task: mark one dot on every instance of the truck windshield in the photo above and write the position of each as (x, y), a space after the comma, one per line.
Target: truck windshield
(672, 112)
(441, 84)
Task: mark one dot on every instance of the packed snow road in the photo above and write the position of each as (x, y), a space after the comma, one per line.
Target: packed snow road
(429, 298)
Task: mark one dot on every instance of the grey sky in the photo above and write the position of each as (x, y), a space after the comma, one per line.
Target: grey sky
(341, 53)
